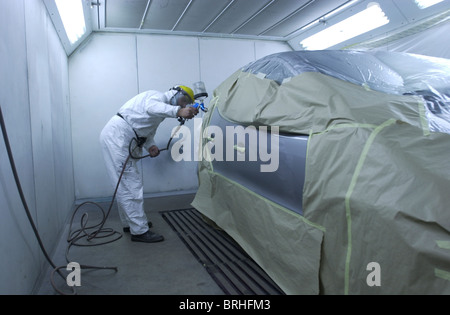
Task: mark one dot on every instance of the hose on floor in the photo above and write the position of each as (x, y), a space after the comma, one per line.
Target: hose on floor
(83, 236)
(97, 231)
(22, 196)
(72, 240)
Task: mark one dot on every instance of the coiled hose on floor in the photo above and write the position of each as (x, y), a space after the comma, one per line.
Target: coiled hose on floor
(22, 196)
(85, 232)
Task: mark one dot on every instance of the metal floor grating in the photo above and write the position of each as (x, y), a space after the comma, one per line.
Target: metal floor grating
(231, 268)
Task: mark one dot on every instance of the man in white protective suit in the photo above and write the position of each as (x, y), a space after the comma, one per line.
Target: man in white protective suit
(137, 121)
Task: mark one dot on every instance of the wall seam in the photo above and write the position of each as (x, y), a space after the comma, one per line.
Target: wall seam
(199, 59)
(137, 64)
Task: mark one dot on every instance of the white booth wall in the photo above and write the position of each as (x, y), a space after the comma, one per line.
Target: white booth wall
(34, 97)
(111, 68)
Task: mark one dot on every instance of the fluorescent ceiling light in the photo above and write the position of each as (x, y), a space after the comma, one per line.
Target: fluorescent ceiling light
(72, 16)
(334, 12)
(423, 4)
(360, 23)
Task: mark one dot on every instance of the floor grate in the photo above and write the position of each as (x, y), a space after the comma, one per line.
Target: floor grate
(230, 267)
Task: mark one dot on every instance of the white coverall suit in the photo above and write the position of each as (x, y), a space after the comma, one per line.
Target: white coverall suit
(143, 114)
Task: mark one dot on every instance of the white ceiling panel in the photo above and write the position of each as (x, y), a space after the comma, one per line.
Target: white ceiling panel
(279, 20)
(237, 14)
(200, 14)
(262, 19)
(304, 16)
(164, 14)
(124, 13)
(273, 13)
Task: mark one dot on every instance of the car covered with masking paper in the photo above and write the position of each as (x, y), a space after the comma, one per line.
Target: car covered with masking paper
(331, 169)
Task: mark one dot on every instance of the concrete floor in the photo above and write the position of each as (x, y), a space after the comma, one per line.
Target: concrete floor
(165, 268)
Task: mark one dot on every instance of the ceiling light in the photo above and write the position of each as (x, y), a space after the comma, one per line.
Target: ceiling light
(72, 16)
(423, 4)
(360, 23)
(327, 16)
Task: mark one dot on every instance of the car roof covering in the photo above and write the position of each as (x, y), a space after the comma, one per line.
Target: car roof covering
(388, 72)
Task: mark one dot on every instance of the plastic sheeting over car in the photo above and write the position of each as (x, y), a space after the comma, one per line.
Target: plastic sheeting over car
(375, 217)
(392, 73)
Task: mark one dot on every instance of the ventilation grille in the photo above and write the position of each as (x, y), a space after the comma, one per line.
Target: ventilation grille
(227, 263)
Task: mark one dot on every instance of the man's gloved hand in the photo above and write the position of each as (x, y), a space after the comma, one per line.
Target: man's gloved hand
(187, 112)
(154, 151)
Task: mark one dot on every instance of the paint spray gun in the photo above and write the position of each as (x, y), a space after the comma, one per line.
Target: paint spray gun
(200, 95)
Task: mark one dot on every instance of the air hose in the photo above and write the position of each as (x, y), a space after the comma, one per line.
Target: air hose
(22, 196)
(99, 231)
(85, 232)
(72, 239)
(139, 144)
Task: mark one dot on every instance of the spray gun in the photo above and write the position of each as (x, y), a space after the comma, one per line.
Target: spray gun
(200, 95)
